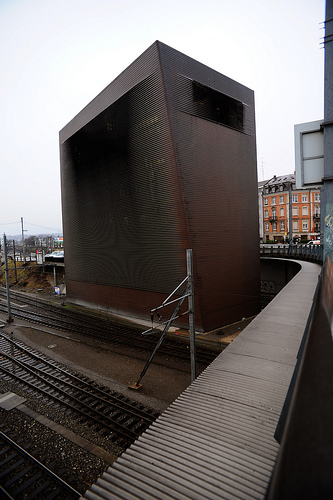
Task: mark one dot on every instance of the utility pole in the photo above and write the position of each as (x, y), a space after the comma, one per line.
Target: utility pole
(189, 292)
(23, 245)
(10, 319)
(327, 190)
(15, 261)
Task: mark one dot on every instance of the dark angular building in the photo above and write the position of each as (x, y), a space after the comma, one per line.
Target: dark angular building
(162, 160)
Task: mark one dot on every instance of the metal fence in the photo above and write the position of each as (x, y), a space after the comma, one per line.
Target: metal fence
(305, 252)
(304, 465)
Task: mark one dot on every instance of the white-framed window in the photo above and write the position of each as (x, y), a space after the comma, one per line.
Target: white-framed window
(281, 187)
(281, 212)
(295, 210)
(282, 199)
(266, 214)
(273, 200)
(274, 213)
(266, 227)
(274, 226)
(282, 225)
(304, 198)
(305, 225)
(265, 201)
(295, 198)
(295, 225)
(317, 197)
(305, 210)
(317, 210)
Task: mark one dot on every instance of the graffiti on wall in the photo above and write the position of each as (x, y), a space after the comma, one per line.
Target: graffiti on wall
(328, 228)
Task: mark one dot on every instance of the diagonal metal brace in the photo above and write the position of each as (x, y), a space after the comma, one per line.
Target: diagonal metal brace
(189, 292)
(137, 385)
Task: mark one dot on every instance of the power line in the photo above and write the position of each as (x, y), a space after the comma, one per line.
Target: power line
(38, 225)
(56, 230)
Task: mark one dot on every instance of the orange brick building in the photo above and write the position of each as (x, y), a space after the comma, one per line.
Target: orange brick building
(305, 210)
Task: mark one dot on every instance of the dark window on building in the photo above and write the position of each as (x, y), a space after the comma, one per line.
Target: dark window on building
(218, 107)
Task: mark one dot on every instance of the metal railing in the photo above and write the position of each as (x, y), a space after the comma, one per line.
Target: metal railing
(304, 465)
(312, 253)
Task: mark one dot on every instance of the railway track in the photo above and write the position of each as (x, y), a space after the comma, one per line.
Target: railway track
(39, 311)
(108, 413)
(110, 420)
(22, 476)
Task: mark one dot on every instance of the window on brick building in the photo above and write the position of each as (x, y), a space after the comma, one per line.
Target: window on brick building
(305, 210)
(274, 226)
(266, 213)
(317, 196)
(281, 212)
(282, 225)
(281, 199)
(295, 210)
(305, 224)
(265, 201)
(273, 200)
(266, 227)
(304, 198)
(295, 225)
(295, 198)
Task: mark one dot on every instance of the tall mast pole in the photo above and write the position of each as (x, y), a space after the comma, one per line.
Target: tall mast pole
(10, 319)
(23, 245)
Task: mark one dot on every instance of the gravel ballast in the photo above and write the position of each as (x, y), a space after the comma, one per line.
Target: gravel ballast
(74, 464)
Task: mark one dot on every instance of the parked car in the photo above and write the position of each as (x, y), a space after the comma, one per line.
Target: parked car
(313, 242)
(56, 256)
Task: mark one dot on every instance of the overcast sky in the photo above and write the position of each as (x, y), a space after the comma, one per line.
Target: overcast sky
(57, 55)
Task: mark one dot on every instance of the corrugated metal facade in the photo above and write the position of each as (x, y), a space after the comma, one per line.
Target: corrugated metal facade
(162, 160)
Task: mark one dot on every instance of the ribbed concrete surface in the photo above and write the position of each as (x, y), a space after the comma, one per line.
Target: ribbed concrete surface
(216, 441)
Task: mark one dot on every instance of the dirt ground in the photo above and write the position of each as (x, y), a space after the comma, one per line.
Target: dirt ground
(28, 277)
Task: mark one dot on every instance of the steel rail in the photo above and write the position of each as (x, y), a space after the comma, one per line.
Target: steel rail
(56, 479)
(111, 399)
(124, 337)
(126, 433)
